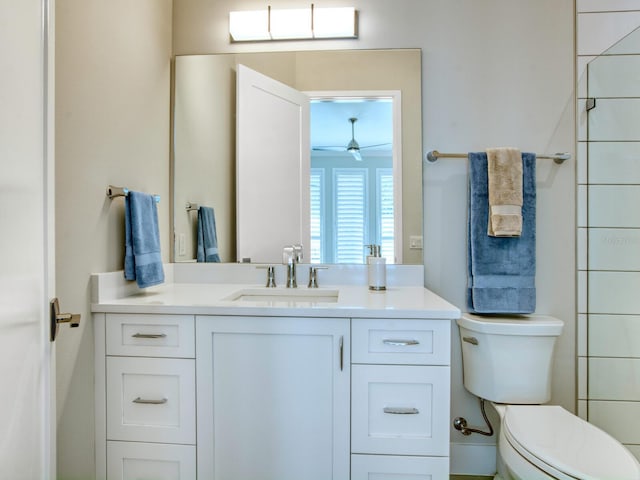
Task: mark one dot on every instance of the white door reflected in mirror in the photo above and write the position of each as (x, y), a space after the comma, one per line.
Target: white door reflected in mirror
(272, 168)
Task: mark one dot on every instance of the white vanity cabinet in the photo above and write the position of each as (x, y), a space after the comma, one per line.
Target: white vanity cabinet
(145, 397)
(187, 389)
(273, 398)
(400, 399)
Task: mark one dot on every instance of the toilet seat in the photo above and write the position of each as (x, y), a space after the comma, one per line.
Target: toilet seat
(566, 446)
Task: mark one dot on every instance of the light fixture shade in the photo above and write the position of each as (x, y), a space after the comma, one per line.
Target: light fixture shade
(249, 25)
(291, 24)
(337, 22)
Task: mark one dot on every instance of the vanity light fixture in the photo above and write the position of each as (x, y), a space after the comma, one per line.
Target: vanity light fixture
(293, 24)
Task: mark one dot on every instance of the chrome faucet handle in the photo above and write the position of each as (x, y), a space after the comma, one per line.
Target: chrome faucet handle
(271, 275)
(313, 276)
(297, 252)
(288, 255)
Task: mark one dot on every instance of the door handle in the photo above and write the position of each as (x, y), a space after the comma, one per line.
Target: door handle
(56, 318)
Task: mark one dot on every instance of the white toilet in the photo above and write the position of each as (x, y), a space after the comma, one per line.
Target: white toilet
(507, 361)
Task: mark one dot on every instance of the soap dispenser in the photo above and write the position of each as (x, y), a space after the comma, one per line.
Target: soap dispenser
(377, 269)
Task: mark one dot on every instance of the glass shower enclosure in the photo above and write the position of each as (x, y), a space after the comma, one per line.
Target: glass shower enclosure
(610, 232)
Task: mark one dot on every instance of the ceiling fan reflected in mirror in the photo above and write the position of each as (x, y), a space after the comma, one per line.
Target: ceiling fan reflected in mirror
(353, 147)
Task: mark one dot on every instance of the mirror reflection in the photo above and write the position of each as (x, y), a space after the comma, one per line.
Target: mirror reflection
(353, 178)
(204, 149)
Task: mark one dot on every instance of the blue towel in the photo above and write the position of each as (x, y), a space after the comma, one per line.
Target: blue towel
(501, 269)
(142, 258)
(207, 237)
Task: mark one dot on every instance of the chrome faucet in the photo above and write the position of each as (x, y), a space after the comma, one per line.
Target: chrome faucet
(271, 275)
(313, 275)
(291, 255)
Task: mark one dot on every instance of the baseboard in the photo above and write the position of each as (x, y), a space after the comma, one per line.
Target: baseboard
(473, 459)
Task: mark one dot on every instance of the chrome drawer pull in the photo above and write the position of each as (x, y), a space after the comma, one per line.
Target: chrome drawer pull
(401, 410)
(400, 343)
(150, 402)
(149, 335)
(471, 340)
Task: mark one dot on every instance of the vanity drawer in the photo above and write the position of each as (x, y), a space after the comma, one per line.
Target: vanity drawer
(151, 400)
(401, 342)
(133, 461)
(396, 467)
(400, 410)
(150, 335)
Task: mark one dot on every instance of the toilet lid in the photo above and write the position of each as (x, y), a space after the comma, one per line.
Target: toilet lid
(553, 439)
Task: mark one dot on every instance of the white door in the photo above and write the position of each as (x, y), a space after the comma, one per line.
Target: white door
(273, 398)
(272, 161)
(27, 409)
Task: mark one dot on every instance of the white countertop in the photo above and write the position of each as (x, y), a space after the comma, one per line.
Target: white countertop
(112, 295)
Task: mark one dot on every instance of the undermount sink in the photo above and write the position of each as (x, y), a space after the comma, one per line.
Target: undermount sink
(288, 295)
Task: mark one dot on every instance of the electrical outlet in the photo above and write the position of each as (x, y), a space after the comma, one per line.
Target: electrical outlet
(415, 242)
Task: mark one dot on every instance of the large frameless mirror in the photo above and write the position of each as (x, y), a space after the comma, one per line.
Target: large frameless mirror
(370, 99)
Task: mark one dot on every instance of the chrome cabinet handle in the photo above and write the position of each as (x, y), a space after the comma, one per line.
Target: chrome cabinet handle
(400, 343)
(149, 335)
(341, 353)
(150, 401)
(471, 340)
(401, 410)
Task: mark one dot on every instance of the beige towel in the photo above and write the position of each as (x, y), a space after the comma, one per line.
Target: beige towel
(505, 192)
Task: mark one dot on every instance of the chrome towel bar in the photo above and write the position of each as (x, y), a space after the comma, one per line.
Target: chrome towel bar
(434, 155)
(113, 192)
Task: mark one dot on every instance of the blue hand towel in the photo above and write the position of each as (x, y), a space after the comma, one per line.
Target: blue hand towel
(142, 258)
(501, 269)
(207, 236)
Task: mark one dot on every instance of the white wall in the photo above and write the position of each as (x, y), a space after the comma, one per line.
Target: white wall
(112, 127)
(608, 228)
(494, 72)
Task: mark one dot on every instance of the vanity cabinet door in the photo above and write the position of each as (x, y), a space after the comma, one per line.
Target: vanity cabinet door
(401, 341)
(273, 398)
(397, 467)
(142, 335)
(151, 400)
(400, 410)
(157, 461)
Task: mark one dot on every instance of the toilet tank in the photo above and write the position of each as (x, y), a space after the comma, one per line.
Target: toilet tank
(508, 359)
